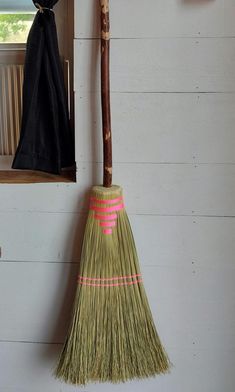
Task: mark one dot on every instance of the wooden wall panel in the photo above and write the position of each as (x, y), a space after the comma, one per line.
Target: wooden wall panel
(32, 364)
(184, 18)
(159, 65)
(173, 127)
(44, 315)
(170, 189)
(168, 240)
(173, 98)
(165, 189)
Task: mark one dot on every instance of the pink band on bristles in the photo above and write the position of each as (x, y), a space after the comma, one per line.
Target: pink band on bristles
(109, 201)
(111, 285)
(111, 279)
(106, 217)
(108, 224)
(107, 209)
(107, 231)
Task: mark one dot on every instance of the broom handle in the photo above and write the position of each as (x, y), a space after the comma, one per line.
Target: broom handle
(105, 93)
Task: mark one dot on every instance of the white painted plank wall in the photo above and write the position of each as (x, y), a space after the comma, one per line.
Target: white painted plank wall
(174, 18)
(185, 128)
(161, 65)
(173, 98)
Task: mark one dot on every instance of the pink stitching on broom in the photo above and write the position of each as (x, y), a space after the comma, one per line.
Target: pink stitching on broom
(118, 207)
(115, 278)
(108, 224)
(107, 231)
(110, 201)
(112, 284)
(106, 217)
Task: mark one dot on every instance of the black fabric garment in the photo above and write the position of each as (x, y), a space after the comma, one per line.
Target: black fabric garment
(46, 140)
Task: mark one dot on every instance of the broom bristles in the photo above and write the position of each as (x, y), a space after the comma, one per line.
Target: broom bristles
(112, 336)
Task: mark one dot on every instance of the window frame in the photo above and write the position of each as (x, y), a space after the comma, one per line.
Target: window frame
(16, 52)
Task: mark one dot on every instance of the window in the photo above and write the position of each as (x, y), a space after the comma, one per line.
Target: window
(14, 28)
(16, 17)
(15, 20)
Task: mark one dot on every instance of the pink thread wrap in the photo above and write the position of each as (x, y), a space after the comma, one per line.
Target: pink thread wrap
(107, 231)
(108, 224)
(106, 217)
(108, 201)
(110, 282)
(118, 207)
(110, 279)
(107, 221)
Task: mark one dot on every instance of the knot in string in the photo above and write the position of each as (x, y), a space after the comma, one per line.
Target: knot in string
(41, 8)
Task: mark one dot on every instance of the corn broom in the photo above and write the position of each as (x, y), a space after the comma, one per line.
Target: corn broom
(112, 337)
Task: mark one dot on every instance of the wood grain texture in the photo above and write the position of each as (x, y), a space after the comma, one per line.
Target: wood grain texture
(105, 93)
(184, 18)
(160, 65)
(10, 176)
(34, 177)
(174, 128)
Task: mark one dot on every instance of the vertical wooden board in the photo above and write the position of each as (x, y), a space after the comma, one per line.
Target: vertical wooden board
(159, 128)
(48, 237)
(158, 19)
(159, 65)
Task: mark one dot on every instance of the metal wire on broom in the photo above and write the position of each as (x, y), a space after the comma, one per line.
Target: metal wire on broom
(112, 337)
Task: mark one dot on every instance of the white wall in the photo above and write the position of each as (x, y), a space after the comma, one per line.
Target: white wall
(173, 98)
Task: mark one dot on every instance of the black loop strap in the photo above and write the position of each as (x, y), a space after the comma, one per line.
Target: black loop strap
(41, 9)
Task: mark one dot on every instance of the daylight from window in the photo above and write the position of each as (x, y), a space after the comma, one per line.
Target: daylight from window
(14, 28)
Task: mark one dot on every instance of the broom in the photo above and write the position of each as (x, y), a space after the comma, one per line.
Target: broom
(112, 337)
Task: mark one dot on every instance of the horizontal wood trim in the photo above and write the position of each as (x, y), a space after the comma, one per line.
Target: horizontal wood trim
(12, 55)
(33, 177)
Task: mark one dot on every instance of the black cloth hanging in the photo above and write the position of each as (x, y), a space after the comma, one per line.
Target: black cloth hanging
(46, 139)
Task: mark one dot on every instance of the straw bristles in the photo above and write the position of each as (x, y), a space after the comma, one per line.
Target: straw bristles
(112, 337)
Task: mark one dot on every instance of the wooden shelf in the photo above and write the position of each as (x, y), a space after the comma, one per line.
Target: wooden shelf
(35, 177)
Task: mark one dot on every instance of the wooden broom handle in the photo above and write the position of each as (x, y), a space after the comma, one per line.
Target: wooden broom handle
(105, 93)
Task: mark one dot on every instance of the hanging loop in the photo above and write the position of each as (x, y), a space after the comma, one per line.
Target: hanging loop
(41, 9)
